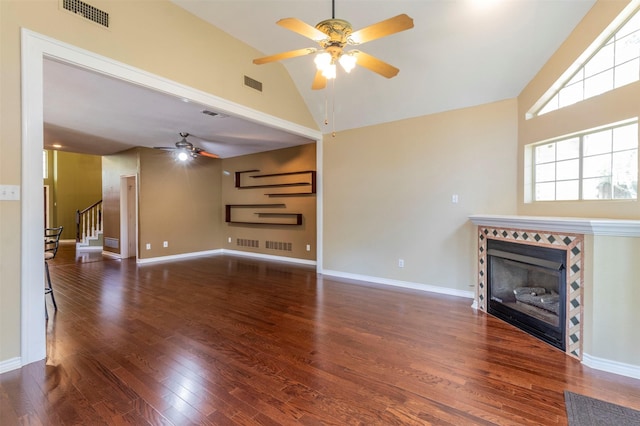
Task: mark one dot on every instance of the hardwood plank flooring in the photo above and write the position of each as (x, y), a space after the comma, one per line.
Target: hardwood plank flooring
(228, 340)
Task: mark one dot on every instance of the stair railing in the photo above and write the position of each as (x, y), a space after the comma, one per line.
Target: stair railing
(89, 221)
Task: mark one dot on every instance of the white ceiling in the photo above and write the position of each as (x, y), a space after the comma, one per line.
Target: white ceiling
(460, 53)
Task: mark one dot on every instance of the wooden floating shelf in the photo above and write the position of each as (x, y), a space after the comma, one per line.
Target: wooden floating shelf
(311, 183)
(296, 216)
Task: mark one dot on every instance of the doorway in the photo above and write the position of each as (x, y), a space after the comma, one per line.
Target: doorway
(36, 47)
(128, 217)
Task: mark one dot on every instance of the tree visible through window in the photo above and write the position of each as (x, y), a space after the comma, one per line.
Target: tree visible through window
(596, 165)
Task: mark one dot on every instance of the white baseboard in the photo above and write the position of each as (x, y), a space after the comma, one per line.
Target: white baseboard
(88, 248)
(224, 251)
(179, 256)
(403, 284)
(628, 370)
(270, 257)
(10, 364)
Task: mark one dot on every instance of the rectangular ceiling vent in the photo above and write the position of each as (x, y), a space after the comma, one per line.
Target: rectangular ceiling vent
(213, 113)
(254, 84)
(87, 11)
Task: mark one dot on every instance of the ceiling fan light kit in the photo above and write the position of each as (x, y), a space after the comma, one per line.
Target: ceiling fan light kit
(185, 149)
(333, 35)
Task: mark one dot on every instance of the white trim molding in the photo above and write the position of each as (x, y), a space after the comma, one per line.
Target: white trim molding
(623, 369)
(576, 225)
(270, 257)
(10, 365)
(404, 284)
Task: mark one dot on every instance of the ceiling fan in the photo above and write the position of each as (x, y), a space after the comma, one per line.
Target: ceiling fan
(333, 35)
(186, 150)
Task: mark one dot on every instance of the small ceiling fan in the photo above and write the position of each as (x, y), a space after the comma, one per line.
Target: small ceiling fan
(333, 35)
(186, 150)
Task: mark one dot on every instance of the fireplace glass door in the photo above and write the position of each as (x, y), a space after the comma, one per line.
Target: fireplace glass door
(527, 288)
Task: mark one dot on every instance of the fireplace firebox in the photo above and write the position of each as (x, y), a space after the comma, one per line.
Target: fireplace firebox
(526, 286)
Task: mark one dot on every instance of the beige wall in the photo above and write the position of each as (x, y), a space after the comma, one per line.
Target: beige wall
(388, 193)
(294, 159)
(77, 183)
(611, 292)
(178, 203)
(155, 36)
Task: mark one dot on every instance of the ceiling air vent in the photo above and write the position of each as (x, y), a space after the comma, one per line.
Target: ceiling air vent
(254, 84)
(87, 11)
(211, 113)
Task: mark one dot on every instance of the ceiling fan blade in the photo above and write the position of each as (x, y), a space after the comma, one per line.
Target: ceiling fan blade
(381, 29)
(302, 28)
(319, 81)
(208, 154)
(374, 64)
(285, 55)
(168, 148)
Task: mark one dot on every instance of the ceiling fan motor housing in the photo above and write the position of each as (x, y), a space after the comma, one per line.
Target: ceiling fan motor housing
(337, 31)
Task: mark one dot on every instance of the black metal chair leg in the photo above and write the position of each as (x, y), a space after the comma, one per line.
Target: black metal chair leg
(49, 290)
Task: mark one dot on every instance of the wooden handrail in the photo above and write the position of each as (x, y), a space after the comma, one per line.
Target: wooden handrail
(89, 221)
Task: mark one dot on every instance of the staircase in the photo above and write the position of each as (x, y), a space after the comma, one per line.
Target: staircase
(89, 227)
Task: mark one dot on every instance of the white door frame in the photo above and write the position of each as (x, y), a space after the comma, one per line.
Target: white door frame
(125, 208)
(34, 49)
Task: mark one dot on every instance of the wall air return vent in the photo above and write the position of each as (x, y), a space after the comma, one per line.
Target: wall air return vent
(278, 245)
(243, 242)
(254, 84)
(87, 11)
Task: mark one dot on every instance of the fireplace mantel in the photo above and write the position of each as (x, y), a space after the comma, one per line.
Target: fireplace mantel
(587, 226)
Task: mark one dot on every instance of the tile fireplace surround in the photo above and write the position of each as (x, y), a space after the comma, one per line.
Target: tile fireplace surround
(560, 233)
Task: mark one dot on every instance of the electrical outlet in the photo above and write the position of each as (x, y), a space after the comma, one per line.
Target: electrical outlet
(400, 263)
(148, 246)
(9, 192)
(308, 247)
(229, 239)
(454, 198)
(165, 244)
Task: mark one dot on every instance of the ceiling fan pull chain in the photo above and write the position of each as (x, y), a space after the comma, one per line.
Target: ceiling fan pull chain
(333, 108)
(326, 108)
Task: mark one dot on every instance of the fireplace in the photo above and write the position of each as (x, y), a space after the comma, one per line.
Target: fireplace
(570, 304)
(526, 286)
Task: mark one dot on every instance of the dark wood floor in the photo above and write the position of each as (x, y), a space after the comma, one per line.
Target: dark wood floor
(232, 340)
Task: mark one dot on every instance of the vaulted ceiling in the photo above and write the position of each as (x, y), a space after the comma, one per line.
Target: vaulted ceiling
(459, 54)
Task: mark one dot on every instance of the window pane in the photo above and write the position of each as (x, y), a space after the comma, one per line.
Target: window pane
(601, 61)
(545, 153)
(598, 165)
(627, 73)
(569, 169)
(545, 191)
(625, 137)
(598, 84)
(627, 48)
(632, 25)
(625, 174)
(570, 95)
(552, 105)
(596, 189)
(579, 76)
(567, 190)
(567, 149)
(597, 143)
(545, 172)
(45, 165)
